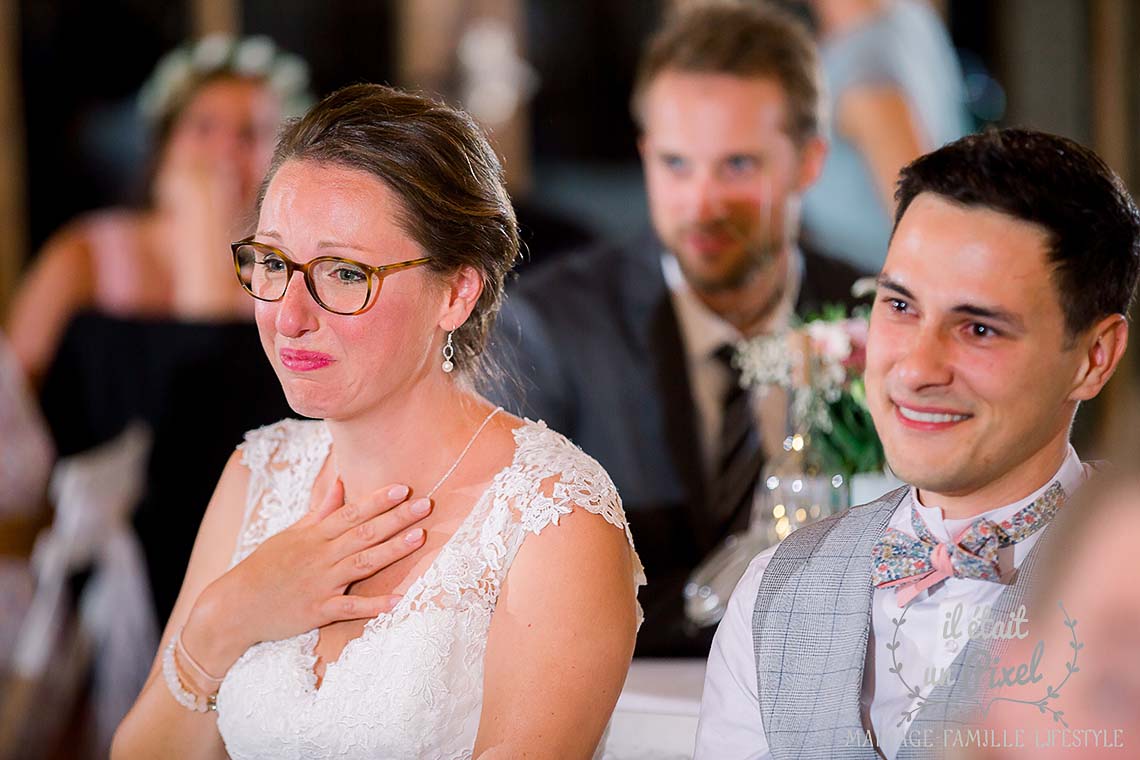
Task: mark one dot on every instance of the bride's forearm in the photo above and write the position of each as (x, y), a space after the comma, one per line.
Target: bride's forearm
(160, 728)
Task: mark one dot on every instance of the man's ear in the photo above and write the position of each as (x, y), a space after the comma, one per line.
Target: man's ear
(812, 155)
(1104, 345)
(462, 293)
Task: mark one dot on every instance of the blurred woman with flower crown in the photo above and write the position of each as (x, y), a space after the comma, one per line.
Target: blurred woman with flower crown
(132, 314)
(214, 108)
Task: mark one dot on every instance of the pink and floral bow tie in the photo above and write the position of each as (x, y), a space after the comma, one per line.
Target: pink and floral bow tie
(913, 565)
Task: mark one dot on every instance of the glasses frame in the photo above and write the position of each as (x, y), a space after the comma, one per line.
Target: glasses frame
(375, 273)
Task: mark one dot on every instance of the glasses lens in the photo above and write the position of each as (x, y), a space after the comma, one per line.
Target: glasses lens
(262, 272)
(341, 285)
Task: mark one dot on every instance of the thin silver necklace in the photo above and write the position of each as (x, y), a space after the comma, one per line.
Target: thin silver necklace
(463, 453)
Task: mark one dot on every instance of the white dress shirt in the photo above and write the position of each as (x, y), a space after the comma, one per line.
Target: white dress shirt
(730, 726)
(702, 332)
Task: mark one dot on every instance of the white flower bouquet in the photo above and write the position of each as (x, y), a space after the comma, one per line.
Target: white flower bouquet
(821, 364)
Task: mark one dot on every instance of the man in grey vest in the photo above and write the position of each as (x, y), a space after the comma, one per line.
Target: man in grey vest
(880, 632)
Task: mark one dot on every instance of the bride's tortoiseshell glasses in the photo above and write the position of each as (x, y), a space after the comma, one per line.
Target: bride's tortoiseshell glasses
(342, 286)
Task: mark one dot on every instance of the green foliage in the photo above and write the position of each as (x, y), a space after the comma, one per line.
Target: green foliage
(851, 445)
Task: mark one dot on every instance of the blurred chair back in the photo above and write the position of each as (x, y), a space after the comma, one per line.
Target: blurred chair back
(92, 611)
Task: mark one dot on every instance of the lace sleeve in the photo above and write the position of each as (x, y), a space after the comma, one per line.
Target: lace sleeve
(563, 477)
(283, 460)
(257, 450)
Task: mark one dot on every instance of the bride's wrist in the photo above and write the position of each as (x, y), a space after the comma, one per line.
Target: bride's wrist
(209, 636)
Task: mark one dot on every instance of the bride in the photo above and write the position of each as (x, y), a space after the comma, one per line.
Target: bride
(312, 621)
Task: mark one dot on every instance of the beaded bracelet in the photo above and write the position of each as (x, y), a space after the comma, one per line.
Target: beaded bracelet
(197, 672)
(184, 697)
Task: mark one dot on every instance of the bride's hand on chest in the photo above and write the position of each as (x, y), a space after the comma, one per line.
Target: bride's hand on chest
(297, 579)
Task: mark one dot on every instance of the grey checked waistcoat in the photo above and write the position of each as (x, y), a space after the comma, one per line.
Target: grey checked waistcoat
(810, 629)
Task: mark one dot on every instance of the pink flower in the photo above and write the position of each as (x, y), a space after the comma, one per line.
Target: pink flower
(856, 329)
(829, 340)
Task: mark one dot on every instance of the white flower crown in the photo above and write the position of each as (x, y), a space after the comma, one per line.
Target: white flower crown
(286, 74)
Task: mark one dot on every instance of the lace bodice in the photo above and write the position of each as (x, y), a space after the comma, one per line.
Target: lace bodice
(412, 684)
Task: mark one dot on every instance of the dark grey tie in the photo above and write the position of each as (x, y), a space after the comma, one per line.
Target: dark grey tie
(739, 456)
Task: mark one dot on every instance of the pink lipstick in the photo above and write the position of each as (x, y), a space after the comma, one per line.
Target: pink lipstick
(304, 361)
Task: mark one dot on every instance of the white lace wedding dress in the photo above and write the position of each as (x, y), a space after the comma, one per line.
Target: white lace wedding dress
(411, 686)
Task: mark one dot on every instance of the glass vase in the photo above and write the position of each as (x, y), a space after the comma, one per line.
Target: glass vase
(793, 491)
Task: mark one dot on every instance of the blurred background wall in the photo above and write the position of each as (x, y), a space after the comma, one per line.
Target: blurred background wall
(71, 69)
(73, 141)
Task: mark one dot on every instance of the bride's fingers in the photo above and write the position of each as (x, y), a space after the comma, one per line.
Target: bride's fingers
(351, 515)
(351, 607)
(370, 561)
(382, 527)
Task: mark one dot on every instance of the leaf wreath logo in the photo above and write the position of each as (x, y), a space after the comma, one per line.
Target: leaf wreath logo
(1042, 704)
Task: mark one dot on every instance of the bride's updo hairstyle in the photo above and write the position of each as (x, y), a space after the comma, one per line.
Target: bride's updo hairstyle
(446, 175)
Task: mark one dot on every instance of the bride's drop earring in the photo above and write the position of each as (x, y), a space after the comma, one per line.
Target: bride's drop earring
(448, 353)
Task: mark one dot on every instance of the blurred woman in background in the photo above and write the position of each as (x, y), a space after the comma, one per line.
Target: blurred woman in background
(215, 108)
(133, 315)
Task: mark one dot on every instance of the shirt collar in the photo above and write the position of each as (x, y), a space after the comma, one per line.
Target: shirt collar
(1070, 474)
(703, 330)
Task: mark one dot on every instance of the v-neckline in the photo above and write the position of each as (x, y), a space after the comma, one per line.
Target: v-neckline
(416, 587)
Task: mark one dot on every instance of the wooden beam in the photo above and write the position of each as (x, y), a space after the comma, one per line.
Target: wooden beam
(217, 16)
(1109, 29)
(13, 204)
(1113, 94)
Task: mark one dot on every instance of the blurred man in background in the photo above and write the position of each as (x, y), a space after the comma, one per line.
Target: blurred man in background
(626, 349)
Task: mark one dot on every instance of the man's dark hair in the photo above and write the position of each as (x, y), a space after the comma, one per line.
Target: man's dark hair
(743, 40)
(1092, 223)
